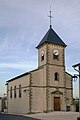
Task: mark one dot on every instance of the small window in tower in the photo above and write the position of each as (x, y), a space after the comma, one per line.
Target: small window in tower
(56, 76)
(42, 55)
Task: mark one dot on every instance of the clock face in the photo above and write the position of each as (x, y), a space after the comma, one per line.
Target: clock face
(56, 52)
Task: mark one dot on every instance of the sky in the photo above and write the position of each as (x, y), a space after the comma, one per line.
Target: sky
(23, 23)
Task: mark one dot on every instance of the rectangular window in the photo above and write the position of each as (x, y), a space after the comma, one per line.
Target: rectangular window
(11, 92)
(15, 92)
(68, 108)
(20, 91)
(56, 76)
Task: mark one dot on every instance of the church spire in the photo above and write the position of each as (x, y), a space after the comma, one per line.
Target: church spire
(50, 18)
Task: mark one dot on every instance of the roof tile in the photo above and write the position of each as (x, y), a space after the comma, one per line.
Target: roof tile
(51, 37)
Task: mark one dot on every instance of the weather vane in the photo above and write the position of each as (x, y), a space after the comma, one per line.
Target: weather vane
(50, 17)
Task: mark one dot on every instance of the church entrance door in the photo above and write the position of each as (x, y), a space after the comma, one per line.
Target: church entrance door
(56, 103)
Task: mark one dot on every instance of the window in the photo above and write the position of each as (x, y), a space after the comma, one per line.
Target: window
(20, 91)
(56, 76)
(68, 108)
(42, 55)
(15, 92)
(11, 92)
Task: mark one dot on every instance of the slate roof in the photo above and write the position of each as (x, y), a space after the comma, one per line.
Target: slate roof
(51, 37)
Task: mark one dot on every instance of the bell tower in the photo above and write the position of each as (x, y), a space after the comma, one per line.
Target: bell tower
(51, 49)
(51, 57)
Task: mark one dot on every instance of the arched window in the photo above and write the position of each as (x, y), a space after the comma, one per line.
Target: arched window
(11, 92)
(42, 55)
(56, 76)
(15, 92)
(20, 91)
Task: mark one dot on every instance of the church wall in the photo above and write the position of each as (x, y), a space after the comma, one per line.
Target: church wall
(68, 81)
(37, 101)
(58, 85)
(57, 94)
(38, 94)
(52, 66)
(69, 91)
(51, 49)
(48, 55)
(38, 78)
(53, 82)
(68, 97)
(56, 65)
(19, 104)
(24, 81)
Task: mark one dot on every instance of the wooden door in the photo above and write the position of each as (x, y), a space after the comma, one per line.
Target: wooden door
(57, 103)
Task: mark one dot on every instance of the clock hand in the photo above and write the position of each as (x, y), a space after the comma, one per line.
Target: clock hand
(55, 52)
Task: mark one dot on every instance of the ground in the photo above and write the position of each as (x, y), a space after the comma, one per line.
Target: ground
(15, 117)
(56, 116)
(42, 116)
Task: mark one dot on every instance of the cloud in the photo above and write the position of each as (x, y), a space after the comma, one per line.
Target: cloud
(20, 65)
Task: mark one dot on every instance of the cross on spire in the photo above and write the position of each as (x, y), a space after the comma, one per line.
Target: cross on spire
(50, 17)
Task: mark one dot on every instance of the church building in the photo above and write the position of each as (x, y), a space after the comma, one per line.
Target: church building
(47, 88)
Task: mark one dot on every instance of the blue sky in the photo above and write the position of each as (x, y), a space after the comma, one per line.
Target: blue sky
(23, 23)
